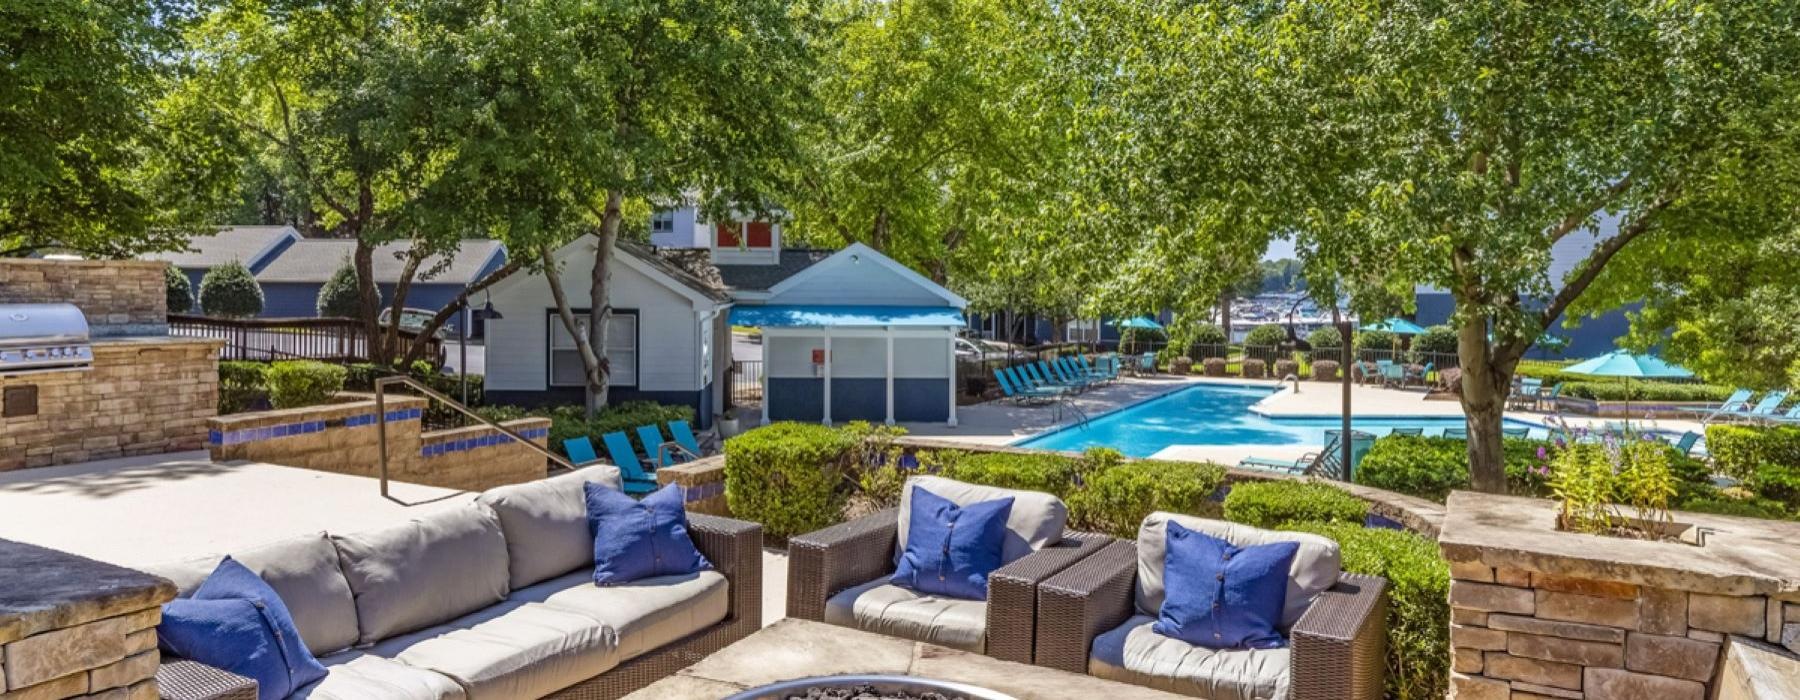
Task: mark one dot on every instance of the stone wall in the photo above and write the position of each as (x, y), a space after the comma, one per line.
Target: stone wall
(1540, 613)
(72, 627)
(142, 396)
(119, 297)
(342, 438)
(702, 484)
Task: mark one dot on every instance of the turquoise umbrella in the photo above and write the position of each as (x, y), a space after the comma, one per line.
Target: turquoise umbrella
(1144, 322)
(1619, 363)
(1396, 326)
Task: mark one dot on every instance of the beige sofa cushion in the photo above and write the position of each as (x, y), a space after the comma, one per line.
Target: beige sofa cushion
(354, 675)
(429, 570)
(884, 608)
(1132, 653)
(1036, 520)
(646, 614)
(510, 650)
(1315, 568)
(304, 571)
(545, 522)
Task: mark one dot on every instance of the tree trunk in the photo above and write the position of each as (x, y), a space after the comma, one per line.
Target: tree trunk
(1225, 315)
(1486, 381)
(461, 301)
(390, 336)
(368, 298)
(553, 275)
(600, 303)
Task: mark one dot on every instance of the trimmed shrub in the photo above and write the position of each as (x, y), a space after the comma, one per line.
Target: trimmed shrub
(1375, 340)
(1327, 343)
(178, 290)
(339, 295)
(1253, 369)
(1325, 370)
(1283, 368)
(1646, 391)
(1046, 472)
(1209, 341)
(1718, 504)
(1739, 450)
(296, 383)
(1432, 467)
(1137, 341)
(1418, 577)
(1215, 366)
(788, 476)
(242, 386)
(1777, 483)
(230, 290)
(570, 422)
(1116, 499)
(1268, 335)
(362, 376)
(1275, 504)
(1436, 340)
(1181, 365)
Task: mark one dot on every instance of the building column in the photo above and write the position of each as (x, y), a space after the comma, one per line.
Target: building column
(765, 370)
(890, 375)
(950, 341)
(828, 376)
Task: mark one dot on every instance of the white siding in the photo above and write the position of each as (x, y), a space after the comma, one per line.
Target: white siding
(785, 356)
(860, 283)
(921, 358)
(668, 328)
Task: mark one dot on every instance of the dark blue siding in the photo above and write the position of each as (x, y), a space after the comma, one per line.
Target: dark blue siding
(796, 398)
(858, 399)
(921, 400)
(301, 299)
(1595, 336)
(803, 399)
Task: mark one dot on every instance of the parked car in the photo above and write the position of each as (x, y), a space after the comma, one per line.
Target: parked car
(412, 319)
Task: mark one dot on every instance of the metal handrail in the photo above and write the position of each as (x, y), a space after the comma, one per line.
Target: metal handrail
(381, 386)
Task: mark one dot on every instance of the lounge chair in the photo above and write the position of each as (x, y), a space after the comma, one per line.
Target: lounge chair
(619, 448)
(665, 452)
(1763, 409)
(1549, 398)
(1073, 368)
(1056, 375)
(1029, 375)
(1020, 392)
(1413, 432)
(1324, 463)
(1738, 401)
(684, 436)
(1107, 366)
(1686, 444)
(1792, 415)
(581, 452)
(1457, 433)
(1515, 432)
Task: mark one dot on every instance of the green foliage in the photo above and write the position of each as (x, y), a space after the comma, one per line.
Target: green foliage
(787, 476)
(1439, 340)
(1777, 483)
(1327, 344)
(230, 290)
(296, 383)
(1432, 467)
(1115, 500)
(178, 290)
(1135, 341)
(1645, 391)
(1046, 472)
(339, 297)
(1276, 504)
(241, 385)
(1739, 451)
(1267, 335)
(1209, 334)
(1418, 578)
(1375, 340)
(1717, 504)
(569, 422)
(1591, 477)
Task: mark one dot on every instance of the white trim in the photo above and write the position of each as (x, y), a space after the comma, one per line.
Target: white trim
(287, 233)
(952, 380)
(629, 260)
(890, 376)
(816, 331)
(827, 379)
(858, 249)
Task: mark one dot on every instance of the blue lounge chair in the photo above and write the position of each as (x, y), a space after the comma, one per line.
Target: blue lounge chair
(684, 436)
(1325, 462)
(1686, 444)
(665, 452)
(1020, 392)
(1763, 409)
(1038, 379)
(1515, 432)
(619, 448)
(581, 452)
(1106, 366)
(1457, 433)
(1737, 401)
(1056, 374)
(1070, 367)
(1415, 432)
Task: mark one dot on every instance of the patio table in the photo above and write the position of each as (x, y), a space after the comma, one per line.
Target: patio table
(794, 648)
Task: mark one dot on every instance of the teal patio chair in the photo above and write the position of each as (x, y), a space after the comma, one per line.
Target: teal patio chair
(1456, 433)
(1525, 392)
(684, 436)
(1686, 444)
(1042, 378)
(1763, 409)
(619, 448)
(1078, 382)
(581, 452)
(1549, 398)
(1515, 432)
(1737, 401)
(665, 452)
(1410, 432)
(1106, 366)
(1020, 392)
(1070, 367)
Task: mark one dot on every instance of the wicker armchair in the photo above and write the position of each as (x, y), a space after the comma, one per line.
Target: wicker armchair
(827, 562)
(1338, 649)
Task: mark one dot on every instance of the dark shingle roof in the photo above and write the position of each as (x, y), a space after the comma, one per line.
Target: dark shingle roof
(759, 278)
(240, 243)
(316, 259)
(701, 278)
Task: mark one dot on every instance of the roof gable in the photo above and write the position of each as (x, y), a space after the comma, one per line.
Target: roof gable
(246, 244)
(860, 268)
(315, 260)
(640, 259)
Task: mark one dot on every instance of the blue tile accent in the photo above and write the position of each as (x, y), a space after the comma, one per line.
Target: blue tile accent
(479, 442)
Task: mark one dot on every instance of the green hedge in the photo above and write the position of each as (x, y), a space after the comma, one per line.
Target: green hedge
(1327, 344)
(242, 385)
(1645, 391)
(362, 376)
(569, 422)
(1432, 467)
(1275, 504)
(788, 476)
(1115, 500)
(297, 383)
(1776, 483)
(177, 290)
(1739, 450)
(230, 290)
(1047, 472)
(1437, 340)
(1267, 334)
(1418, 647)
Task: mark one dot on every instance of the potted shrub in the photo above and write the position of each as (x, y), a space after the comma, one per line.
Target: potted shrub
(1181, 365)
(1253, 368)
(1215, 366)
(1283, 368)
(1325, 370)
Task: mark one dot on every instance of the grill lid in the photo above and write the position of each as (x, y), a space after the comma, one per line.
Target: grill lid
(43, 337)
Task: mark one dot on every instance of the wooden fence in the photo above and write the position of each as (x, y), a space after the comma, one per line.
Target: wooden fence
(324, 339)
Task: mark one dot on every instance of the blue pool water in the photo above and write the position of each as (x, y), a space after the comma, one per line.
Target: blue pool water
(1215, 414)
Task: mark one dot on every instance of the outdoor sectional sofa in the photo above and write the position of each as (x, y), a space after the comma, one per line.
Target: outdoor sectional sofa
(493, 599)
(840, 574)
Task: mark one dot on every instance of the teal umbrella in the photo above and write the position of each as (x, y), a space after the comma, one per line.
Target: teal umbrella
(1396, 326)
(1619, 363)
(1144, 322)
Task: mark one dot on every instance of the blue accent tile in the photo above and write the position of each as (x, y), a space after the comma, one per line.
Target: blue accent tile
(213, 437)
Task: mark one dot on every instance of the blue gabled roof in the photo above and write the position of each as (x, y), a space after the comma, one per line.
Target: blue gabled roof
(821, 316)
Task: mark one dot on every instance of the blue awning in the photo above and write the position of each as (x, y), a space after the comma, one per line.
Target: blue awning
(823, 316)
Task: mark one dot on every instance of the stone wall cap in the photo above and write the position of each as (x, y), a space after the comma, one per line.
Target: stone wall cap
(483, 429)
(1741, 557)
(138, 342)
(46, 589)
(347, 404)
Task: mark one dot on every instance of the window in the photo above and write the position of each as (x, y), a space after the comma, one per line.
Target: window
(1083, 331)
(754, 234)
(662, 222)
(621, 350)
(728, 234)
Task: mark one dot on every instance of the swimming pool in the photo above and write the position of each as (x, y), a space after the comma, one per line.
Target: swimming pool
(1219, 414)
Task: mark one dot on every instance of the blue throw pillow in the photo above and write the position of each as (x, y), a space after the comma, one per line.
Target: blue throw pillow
(236, 622)
(1222, 596)
(636, 539)
(950, 549)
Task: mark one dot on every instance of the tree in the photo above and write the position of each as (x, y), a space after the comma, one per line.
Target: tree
(340, 296)
(230, 290)
(1455, 144)
(178, 290)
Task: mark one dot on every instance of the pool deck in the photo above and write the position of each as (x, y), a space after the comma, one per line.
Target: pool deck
(1003, 422)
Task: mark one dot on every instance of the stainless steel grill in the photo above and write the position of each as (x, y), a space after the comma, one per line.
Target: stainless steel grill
(43, 338)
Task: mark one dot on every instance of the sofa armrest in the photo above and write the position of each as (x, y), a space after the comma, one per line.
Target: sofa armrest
(1340, 643)
(186, 679)
(735, 549)
(1012, 594)
(823, 563)
(1089, 597)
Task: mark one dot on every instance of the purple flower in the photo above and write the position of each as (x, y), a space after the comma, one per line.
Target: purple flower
(1541, 453)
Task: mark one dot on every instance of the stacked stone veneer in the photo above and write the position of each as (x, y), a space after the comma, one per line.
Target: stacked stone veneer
(342, 437)
(1538, 613)
(119, 297)
(702, 484)
(142, 396)
(72, 627)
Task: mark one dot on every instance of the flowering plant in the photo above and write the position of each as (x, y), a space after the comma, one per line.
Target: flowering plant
(1595, 473)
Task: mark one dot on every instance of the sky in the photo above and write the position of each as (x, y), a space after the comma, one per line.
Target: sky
(1279, 249)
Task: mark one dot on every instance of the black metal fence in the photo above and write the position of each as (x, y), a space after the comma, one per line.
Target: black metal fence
(976, 374)
(746, 382)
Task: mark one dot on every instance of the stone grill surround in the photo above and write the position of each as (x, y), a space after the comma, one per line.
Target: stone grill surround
(142, 396)
(119, 297)
(1538, 613)
(72, 627)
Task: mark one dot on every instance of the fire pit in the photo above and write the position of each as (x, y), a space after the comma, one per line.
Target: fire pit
(855, 687)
